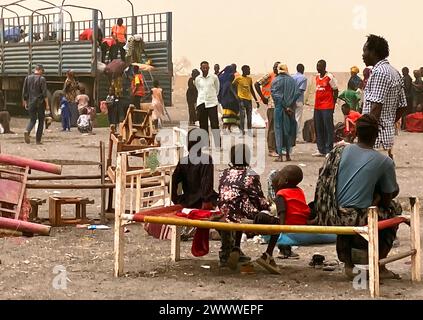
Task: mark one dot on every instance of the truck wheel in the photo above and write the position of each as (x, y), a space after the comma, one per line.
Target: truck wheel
(55, 105)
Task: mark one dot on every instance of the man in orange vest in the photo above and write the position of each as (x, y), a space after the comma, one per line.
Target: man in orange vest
(119, 34)
(262, 87)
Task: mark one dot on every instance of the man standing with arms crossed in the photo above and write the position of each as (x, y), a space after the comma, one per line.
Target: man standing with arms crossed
(208, 87)
(263, 87)
(34, 96)
(384, 95)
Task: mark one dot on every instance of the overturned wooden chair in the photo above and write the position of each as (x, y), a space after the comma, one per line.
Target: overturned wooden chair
(14, 173)
(137, 127)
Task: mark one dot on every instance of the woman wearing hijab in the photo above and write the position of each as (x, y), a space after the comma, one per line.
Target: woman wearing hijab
(228, 98)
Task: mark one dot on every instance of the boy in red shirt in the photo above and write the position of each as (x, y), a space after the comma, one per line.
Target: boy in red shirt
(291, 207)
(351, 118)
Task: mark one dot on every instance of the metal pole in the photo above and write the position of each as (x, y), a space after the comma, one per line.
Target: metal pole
(31, 29)
(1, 31)
(95, 37)
(72, 31)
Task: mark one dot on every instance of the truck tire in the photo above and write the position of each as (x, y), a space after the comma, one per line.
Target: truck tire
(55, 105)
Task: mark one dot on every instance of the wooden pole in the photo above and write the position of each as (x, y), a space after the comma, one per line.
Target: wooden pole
(396, 257)
(32, 164)
(22, 194)
(69, 177)
(138, 194)
(119, 210)
(103, 181)
(415, 240)
(373, 252)
(257, 228)
(70, 186)
(176, 243)
(25, 227)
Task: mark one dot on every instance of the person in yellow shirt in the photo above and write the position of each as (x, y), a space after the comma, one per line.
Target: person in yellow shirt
(245, 92)
(119, 34)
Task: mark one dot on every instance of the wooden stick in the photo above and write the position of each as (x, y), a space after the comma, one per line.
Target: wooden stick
(22, 194)
(131, 196)
(176, 243)
(119, 210)
(257, 228)
(70, 177)
(69, 186)
(70, 162)
(373, 252)
(396, 257)
(103, 181)
(415, 240)
(138, 194)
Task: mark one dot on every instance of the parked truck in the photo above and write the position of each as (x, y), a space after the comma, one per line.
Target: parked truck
(50, 36)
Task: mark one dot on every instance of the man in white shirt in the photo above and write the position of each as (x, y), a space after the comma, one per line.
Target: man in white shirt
(208, 88)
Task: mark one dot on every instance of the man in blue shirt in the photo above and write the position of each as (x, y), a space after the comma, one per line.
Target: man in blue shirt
(284, 93)
(365, 178)
(301, 81)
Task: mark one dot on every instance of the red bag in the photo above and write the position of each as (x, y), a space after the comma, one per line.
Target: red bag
(414, 122)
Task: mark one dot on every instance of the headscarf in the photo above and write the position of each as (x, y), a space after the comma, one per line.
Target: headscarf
(226, 97)
(355, 70)
(282, 68)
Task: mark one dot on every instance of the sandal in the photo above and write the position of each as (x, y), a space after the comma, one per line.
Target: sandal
(388, 274)
(267, 262)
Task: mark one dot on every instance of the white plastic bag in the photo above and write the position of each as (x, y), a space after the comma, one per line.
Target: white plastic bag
(257, 120)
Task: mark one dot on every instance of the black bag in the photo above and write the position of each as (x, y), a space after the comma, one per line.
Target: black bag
(309, 133)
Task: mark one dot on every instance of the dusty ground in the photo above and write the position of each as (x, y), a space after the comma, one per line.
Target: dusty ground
(28, 264)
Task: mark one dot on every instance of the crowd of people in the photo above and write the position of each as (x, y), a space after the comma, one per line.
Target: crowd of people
(344, 188)
(75, 107)
(283, 94)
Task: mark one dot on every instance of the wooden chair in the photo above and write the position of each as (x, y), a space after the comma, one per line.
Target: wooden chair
(12, 190)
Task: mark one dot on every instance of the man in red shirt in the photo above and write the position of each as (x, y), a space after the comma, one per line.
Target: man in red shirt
(326, 96)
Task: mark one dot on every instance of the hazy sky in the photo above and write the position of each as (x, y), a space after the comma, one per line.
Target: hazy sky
(260, 32)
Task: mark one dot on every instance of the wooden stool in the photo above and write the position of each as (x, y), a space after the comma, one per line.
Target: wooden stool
(35, 202)
(55, 210)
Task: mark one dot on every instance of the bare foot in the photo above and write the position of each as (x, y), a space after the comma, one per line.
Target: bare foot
(384, 273)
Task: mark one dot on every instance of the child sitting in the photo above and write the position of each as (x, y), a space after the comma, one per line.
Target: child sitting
(82, 99)
(351, 118)
(240, 197)
(84, 122)
(291, 208)
(65, 113)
